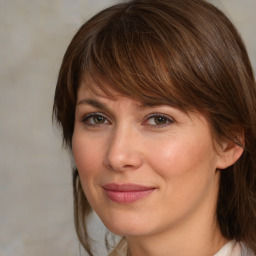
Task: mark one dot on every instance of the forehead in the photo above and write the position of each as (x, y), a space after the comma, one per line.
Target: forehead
(91, 88)
(103, 101)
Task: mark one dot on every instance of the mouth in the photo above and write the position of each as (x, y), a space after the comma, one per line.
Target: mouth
(126, 193)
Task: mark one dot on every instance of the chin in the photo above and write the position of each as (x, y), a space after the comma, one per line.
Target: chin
(126, 227)
(126, 231)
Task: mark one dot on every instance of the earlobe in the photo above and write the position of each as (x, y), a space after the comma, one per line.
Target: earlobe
(229, 154)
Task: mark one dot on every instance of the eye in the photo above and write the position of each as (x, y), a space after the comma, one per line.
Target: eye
(95, 119)
(158, 120)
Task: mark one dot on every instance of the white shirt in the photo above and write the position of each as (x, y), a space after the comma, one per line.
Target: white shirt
(232, 248)
(228, 249)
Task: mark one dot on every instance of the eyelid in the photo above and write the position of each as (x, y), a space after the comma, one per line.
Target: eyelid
(169, 119)
(93, 114)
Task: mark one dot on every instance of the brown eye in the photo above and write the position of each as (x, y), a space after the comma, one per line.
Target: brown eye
(95, 119)
(158, 120)
(99, 119)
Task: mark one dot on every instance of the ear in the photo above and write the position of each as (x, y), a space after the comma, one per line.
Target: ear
(229, 152)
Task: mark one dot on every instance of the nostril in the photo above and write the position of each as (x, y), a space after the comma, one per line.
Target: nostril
(127, 162)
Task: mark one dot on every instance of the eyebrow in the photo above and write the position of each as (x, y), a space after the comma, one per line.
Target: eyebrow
(92, 102)
(100, 105)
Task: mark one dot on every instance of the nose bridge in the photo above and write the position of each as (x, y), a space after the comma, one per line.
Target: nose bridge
(123, 148)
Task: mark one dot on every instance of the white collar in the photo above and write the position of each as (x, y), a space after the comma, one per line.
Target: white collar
(227, 249)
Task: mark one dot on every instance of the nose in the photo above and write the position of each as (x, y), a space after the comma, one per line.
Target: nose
(124, 150)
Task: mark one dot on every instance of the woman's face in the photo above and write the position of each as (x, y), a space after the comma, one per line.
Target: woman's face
(144, 169)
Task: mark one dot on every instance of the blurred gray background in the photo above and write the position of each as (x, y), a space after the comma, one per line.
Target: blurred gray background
(36, 215)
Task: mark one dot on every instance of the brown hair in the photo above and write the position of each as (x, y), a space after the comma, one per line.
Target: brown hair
(181, 52)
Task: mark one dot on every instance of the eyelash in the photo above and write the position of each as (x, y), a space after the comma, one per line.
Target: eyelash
(168, 120)
(85, 120)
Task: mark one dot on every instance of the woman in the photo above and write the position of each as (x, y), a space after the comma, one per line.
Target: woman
(156, 100)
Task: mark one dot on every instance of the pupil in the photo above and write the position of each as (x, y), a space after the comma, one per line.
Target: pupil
(99, 119)
(160, 120)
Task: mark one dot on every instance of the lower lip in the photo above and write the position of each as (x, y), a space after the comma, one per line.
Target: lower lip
(125, 197)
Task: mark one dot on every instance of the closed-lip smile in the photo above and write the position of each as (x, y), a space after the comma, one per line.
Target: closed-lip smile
(126, 193)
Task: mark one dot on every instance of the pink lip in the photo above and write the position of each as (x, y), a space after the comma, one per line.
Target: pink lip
(126, 193)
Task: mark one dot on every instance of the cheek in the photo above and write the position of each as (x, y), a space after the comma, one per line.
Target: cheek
(182, 156)
(86, 156)
(187, 172)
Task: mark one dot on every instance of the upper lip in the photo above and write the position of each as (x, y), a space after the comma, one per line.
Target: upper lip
(126, 187)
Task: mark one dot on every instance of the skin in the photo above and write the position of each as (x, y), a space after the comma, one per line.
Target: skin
(160, 147)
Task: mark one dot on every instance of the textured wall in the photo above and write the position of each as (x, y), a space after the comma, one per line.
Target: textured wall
(35, 178)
